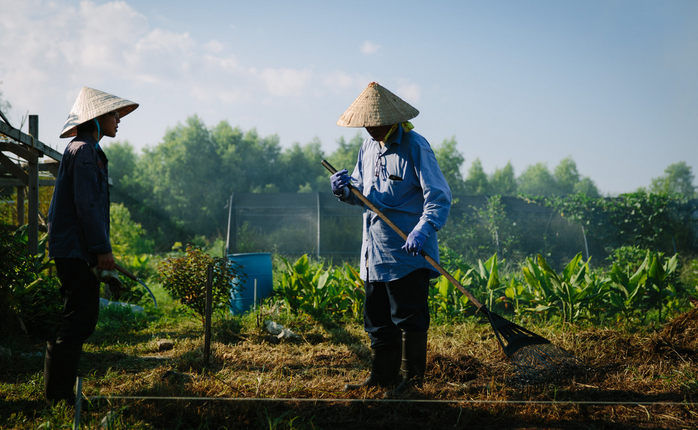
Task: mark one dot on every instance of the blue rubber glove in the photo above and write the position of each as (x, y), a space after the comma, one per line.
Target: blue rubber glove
(339, 181)
(415, 242)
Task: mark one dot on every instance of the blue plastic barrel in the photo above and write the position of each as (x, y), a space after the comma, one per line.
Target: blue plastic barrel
(257, 266)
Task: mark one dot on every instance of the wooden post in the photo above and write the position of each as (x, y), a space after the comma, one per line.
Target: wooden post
(20, 206)
(209, 300)
(78, 403)
(33, 189)
(230, 218)
(318, 226)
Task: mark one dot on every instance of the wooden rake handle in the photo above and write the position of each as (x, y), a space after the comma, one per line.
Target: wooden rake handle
(135, 278)
(397, 230)
(126, 272)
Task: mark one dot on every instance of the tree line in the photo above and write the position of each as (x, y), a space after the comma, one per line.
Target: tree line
(180, 188)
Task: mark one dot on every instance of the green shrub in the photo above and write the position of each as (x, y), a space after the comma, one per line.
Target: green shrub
(185, 279)
(27, 301)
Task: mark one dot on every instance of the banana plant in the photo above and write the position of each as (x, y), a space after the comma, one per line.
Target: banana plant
(540, 289)
(659, 290)
(626, 291)
(311, 288)
(489, 275)
(572, 294)
(649, 287)
(352, 291)
(517, 294)
(483, 281)
(444, 297)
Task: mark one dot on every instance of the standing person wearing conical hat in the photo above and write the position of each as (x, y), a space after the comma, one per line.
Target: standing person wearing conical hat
(397, 171)
(78, 229)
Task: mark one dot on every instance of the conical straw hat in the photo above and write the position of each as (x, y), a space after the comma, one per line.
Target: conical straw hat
(92, 103)
(376, 106)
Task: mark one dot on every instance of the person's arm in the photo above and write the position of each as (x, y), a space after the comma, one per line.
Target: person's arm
(437, 193)
(106, 261)
(89, 206)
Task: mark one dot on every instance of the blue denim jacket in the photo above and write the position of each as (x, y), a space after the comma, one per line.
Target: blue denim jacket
(78, 219)
(404, 181)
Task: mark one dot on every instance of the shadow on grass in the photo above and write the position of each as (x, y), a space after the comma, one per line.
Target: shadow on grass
(280, 413)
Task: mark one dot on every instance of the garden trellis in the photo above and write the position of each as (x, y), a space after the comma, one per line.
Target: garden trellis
(33, 164)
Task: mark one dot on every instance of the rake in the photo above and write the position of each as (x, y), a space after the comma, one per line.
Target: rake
(536, 360)
(137, 279)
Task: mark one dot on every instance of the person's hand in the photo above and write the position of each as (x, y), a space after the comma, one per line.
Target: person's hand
(339, 181)
(105, 261)
(415, 242)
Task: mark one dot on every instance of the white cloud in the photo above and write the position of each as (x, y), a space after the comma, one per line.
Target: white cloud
(408, 91)
(369, 48)
(285, 82)
(214, 46)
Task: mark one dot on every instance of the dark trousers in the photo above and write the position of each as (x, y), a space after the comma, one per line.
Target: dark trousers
(80, 292)
(396, 306)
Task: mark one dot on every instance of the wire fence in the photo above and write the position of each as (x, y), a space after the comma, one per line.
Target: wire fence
(319, 224)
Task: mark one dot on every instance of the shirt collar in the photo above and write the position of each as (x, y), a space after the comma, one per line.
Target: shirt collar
(395, 136)
(88, 138)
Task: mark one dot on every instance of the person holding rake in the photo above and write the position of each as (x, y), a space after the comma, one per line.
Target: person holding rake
(78, 233)
(396, 171)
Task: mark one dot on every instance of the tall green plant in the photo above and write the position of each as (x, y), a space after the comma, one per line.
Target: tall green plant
(310, 288)
(445, 300)
(573, 294)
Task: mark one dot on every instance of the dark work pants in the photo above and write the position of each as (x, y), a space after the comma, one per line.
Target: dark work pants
(80, 292)
(396, 306)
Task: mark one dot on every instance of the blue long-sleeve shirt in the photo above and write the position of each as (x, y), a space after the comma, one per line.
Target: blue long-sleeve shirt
(78, 219)
(404, 181)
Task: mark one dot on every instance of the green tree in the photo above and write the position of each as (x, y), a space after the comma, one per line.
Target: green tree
(566, 175)
(587, 186)
(476, 182)
(450, 161)
(678, 178)
(536, 180)
(179, 189)
(127, 237)
(183, 176)
(248, 162)
(122, 162)
(346, 154)
(503, 181)
(301, 168)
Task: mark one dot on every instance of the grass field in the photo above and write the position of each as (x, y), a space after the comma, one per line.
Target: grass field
(638, 378)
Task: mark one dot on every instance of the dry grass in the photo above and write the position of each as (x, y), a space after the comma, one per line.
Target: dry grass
(466, 370)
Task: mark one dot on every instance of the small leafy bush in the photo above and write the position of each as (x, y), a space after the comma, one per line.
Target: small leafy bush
(28, 302)
(185, 279)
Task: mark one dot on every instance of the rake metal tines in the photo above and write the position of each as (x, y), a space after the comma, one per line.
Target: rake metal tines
(535, 359)
(545, 363)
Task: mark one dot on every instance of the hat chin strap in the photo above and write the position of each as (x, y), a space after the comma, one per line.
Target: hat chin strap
(99, 132)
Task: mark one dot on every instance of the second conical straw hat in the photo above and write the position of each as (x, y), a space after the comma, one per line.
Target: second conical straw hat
(376, 106)
(92, 103)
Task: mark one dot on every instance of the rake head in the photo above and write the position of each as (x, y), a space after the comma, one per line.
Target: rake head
(535, 359)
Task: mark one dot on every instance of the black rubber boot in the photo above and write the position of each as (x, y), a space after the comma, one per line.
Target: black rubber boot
(414, 364)
(385, 368)
(60, 372)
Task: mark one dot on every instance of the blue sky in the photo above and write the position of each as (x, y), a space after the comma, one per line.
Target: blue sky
(613, 84)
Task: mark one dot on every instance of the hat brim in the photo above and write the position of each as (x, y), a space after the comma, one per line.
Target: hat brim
(376, 106)
(91, 104)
